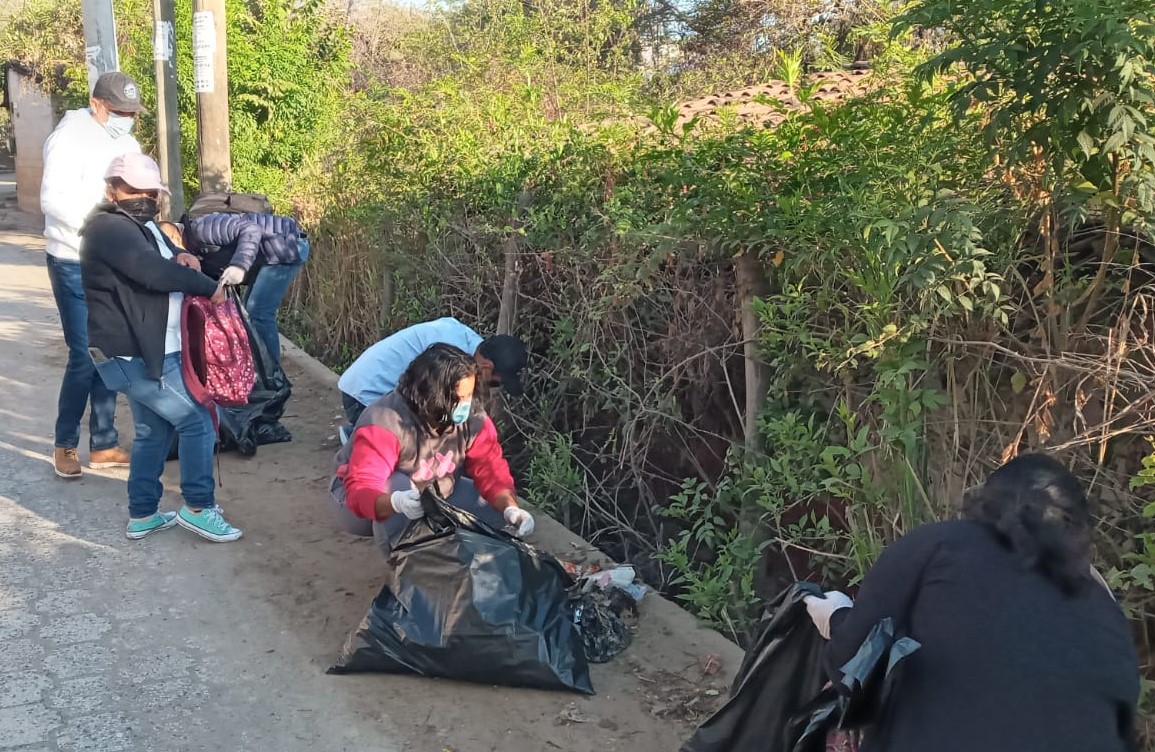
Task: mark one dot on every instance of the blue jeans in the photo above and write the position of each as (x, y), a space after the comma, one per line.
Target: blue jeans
(265, 296)
(353, 408)
(81, 386)
(160, 409)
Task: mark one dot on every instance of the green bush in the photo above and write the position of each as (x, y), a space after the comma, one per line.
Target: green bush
(289, 74)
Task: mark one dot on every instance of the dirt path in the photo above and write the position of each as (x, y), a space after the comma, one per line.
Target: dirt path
(254, 624)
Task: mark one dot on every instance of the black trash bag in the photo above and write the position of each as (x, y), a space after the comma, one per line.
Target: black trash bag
(782, 700)
(259, 422)
(464, 601)
(862, 690)
(597, 614)
(779, 678)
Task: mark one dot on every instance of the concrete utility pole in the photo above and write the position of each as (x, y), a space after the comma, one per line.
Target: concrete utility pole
(99, 39)
(167, 117)
(211, 79)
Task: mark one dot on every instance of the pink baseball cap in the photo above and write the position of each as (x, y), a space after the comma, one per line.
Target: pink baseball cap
(138, 170)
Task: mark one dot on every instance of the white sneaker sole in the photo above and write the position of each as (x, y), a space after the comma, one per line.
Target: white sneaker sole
(66, 476)
(150, 531)
(107, 465)
(206, 534)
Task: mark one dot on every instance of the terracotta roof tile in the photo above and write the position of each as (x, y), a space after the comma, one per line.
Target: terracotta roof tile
(830, 86)
(748, 104)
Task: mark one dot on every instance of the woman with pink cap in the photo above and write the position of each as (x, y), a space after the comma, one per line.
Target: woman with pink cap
(135, 285)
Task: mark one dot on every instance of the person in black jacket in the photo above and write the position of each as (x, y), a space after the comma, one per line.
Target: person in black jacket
(135, 288)
(1024, 648)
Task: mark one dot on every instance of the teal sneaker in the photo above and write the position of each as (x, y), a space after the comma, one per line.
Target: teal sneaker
(208, 524)
(137, 529)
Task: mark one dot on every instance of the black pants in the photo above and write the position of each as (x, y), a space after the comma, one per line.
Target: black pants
(353, 408)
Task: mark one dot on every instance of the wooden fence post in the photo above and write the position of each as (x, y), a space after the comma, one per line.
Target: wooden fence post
(512, 246)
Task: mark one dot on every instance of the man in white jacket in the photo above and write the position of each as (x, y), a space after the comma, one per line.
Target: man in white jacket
(76, 156)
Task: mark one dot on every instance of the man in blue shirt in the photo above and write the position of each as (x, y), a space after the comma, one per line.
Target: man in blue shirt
(376, 372)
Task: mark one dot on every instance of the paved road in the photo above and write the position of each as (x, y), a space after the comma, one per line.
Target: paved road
(107, 644)
(174, 643)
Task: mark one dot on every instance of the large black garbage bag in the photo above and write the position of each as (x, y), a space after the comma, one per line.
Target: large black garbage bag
(464, 601)
(259, 422)
(779, 677)
(862, 689)
(782, 700)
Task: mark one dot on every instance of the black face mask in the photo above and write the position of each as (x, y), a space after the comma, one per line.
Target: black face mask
(141, 209)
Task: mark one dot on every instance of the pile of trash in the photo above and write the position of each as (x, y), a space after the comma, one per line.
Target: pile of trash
(605, 608)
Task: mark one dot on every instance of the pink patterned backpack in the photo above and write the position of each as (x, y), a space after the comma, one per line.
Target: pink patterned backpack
(216, 358)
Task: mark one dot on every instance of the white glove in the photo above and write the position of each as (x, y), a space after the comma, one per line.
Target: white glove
(407, 503)
(234, 275)
(520, 519)
(820, 609)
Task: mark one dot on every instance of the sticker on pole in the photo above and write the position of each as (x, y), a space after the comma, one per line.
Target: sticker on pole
(162, 42)
(204, 50)
(92, 54)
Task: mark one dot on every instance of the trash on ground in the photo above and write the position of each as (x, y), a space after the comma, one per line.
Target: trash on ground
(571, 714)
(605, 609)
(710, 664)
(665, 694)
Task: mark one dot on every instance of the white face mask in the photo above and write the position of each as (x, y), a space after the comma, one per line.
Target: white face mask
(119, 125)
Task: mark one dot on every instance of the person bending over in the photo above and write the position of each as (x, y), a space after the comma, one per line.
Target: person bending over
(500, 360)
(1024, 649)
(264, 251)
(427, 431)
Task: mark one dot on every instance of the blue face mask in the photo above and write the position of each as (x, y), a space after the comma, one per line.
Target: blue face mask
(119, 125)
(461, 413)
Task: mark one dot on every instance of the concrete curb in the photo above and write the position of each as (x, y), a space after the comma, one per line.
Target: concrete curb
(657, 613)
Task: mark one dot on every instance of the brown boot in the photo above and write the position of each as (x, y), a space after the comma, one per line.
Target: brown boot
(66, 463)
(100, 459)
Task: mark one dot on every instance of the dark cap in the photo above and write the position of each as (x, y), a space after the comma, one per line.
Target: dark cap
(119, 91)
(509, 357)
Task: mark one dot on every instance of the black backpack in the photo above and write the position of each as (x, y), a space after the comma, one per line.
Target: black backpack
(214, 202)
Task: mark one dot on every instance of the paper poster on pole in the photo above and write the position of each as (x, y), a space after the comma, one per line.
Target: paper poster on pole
(204, 50)
(162, 42)
(91, 60)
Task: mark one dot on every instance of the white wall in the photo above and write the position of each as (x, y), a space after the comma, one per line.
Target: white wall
(32, 122)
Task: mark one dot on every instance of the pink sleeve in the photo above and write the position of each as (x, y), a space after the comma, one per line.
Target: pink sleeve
(375, 452)
(486, 465)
